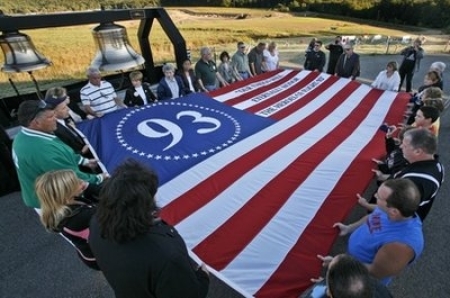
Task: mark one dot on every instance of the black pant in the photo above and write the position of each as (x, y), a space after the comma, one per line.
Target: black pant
(406, 70)
(8, 176)
(92, 192)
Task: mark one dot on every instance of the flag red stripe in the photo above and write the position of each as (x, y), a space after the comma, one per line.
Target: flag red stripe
(209, 188)
(257, 91)
(301, 264)
(309, 97)
(295, 106)
(240, 84)
(285, 93)
(251, 218)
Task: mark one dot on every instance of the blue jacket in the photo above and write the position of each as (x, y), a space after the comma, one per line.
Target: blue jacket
(164, 91)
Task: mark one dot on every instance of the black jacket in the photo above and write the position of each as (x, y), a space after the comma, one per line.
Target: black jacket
(133, 99)
(153, 265)
(315, 60)
(185, 81)
(70, 138)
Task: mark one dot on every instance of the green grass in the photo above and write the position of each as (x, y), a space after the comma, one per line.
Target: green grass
(71, 49)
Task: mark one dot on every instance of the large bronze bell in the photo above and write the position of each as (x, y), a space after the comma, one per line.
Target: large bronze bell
(114, 49)
(20, 53)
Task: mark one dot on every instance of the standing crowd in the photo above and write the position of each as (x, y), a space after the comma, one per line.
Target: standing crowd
(115, 228)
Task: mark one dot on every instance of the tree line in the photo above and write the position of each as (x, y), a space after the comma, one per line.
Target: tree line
(426, 13)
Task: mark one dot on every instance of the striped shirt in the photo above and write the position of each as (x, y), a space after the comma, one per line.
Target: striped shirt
(100, 98)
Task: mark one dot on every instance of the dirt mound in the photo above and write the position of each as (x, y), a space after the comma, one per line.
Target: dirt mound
(186, 14)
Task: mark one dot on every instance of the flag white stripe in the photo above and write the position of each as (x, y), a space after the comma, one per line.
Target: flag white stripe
(252, 87)
(183, 182)
(269, 94)
(207, 219)
(266, 251)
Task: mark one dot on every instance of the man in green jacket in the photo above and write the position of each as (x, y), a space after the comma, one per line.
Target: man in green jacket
(37, 150)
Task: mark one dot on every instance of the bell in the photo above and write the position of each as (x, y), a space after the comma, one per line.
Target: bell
(114, 49)
(20, 53)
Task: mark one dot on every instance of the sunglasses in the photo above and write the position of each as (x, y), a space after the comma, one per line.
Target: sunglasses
(348, 49)
(42, 106)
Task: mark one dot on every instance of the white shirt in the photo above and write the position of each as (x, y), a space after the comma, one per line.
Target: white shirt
(99, 98)
(141, 93)
(191, 86)
(384, 83)
(271, 60)
(173, 85)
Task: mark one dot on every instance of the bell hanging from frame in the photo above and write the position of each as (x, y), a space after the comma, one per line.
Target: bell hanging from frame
(20, 53)
(114, 49)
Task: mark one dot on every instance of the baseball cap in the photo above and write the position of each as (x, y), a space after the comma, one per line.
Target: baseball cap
(54, 101)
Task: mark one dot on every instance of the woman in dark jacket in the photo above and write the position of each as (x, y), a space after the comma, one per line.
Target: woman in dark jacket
(140, 93)
(139, 254)
(188, 77)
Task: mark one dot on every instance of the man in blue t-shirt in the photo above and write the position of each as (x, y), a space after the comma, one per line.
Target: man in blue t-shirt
(390, 238)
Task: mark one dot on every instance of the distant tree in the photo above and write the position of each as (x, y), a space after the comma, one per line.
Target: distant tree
(294, 4)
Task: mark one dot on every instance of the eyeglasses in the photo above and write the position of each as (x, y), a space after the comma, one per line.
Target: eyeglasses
(317, 45)
(42, 106)
(347, 49)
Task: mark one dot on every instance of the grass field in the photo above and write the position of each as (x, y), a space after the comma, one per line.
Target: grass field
(71, 49)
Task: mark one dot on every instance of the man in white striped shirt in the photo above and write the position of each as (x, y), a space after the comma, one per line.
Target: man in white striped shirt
(99, 97)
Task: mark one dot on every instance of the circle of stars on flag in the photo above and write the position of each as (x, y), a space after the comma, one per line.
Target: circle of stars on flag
(169, 157)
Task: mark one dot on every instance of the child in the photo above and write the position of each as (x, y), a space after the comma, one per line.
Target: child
(439, 105)
(425, 117)
(64, 211)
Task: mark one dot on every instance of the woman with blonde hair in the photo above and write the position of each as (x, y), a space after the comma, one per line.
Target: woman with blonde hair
(270, 57)
(388, 79)
(64, 210)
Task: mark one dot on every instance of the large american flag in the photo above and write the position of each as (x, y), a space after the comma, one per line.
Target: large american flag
(254, 175)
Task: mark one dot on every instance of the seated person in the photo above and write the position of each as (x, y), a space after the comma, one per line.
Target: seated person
(64, 210)
(140, 93)
(99, 97)
(390, 238)
(139, 254)
(188, 77)
(170, 86)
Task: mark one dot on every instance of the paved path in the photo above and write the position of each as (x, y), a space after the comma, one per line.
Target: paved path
(37, 264)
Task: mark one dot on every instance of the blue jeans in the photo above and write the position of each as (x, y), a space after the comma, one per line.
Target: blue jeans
(211, 87)
(244, 74)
